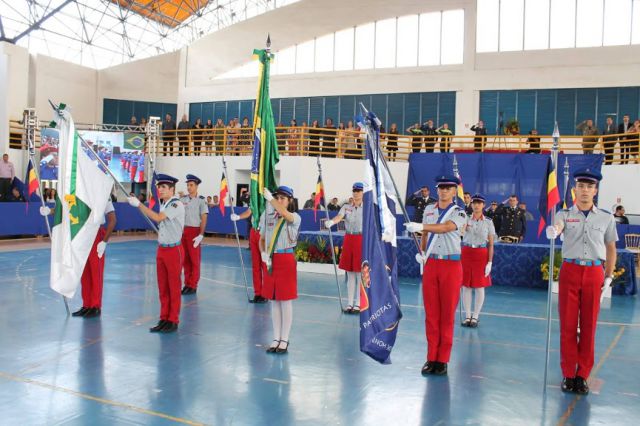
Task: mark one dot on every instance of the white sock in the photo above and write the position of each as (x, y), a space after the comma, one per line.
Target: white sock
(356, 278)
(479, 302)
(351, 287)
(287, 320)
(466, 300)
(276, 320)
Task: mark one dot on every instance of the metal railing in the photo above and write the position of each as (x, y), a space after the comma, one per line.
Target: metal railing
(348, 143)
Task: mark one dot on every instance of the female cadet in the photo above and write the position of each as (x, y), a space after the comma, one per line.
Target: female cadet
(351, 256)
(170, 253)
(441, 227)
(477, 256)
(278, 239)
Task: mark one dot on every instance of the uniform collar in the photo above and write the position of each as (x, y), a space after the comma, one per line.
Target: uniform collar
(575, 208)
(477, 220)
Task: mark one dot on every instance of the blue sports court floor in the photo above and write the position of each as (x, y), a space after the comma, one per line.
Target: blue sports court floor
(56, 370)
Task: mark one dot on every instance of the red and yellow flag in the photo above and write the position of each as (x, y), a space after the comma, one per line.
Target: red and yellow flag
(319, 198)
(224, 190)
(549, 196)
(31, 180)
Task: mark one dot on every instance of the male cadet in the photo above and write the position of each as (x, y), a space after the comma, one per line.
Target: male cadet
(513, 222)
(92, 279)
(170, 253)
(195, 222)
(589, 242)
(420, 199)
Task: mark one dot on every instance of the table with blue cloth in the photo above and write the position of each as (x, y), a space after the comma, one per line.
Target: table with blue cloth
(513, 264)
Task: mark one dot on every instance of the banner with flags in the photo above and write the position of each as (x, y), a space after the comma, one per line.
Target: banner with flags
(549, 196)
(379, 297)
(318, 200)
(224, 190)
(265, 147)
(82, 194)
(153, 197)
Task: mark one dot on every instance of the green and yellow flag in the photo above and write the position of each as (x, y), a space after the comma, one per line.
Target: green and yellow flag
(265, 147)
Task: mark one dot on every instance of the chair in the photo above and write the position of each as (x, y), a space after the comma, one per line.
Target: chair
(632, 243)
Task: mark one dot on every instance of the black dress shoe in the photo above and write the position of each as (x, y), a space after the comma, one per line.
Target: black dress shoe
(184, 289)
(92, 313)
(466, 322)
(568, 384)
(80, 312)
(169, 327)
(262, 299)
(272, 349)
(580, 386)
(427, 368)
(158, 326)
(440, 369)
(284, 350)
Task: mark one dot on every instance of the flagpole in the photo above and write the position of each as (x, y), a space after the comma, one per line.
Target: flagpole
(566, 179)
(235, 228)
(456, 173)
(102, 163)
(333, 251)
(552, 252)
(30, 122)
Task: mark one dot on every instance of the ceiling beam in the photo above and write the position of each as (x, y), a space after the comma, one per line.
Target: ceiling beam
(39, 22)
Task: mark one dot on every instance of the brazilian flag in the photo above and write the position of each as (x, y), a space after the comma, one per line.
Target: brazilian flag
(134, 141)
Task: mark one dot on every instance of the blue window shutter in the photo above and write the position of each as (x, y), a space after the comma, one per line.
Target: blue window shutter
(156, 110)
(396, 106)
(110, 111)
(628, 101)
(220, 111)
(447, 110)
(379, 107)
(565, 113)
(195, 111)
(331, 109)
(429, 107)
(233, 110)
(546, 111)
(347, 109)
(411, 111)
(246, 110)
(207, 113)
(140, 110)
(607, 105)
(301, 113)
(125, 111)
(526, 110)
(586, 105)
(286, 111)
(506, 105)
(364, 99)
(316, 110)
(170, 109)
(489, 110)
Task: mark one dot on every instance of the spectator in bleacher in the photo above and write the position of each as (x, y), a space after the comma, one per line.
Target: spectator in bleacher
(143, 124)
(534, 142)
(392, 141)
(589, 133)
(215, 202)
(341, 136)
(468, 209)
(420, 200)
(625, 142)
(209, 201)
(333, 205)
(445, 141)
(198, 135)
(168, 134)
(348, 140)
(52, 196)
(208, 137)
(609, 142)
(245, 198)
(133, 121)
(480, 131)
(218, 136)
(183, 136)
(231, 138)
(16, 196)
(619, 216)
(293, 138)
(304, 143)
(416, 141)
(329, 139)
(634, 142)
(429, 132)
(7, 174)
(527, 213)
(314, 139)
(309, 203)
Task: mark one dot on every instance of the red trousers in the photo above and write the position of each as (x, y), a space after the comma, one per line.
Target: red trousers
(141, 176)
(192, 256)
(133, 173)
(256, 261)
(578, 304)
(441, 283)
(169, 266)
(93, 275)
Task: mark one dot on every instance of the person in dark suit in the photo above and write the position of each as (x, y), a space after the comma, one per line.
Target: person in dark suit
(609, 142)
(168, 134)
(430, 132)
(513, 222)
(625, 142)
(534, 142)
(479, 130)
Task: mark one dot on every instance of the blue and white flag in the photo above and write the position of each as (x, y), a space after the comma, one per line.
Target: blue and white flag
(379, 298)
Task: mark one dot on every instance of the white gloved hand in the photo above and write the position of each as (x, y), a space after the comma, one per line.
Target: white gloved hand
(328, 224)
(267, 194)
(234, 217)
(133, 201)
(197, 240)
(552, 232)
(102, 246)
(421, 258)
(45, 211)
(413, 227)
(607, 283)
(265, 257)
(487, 269)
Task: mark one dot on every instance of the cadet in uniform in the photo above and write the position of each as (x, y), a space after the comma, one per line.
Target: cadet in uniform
(170, 253)
(477, 257)
(513, 222)
(589, 240)
(351, 257)
(441, 227)
(420, 199)
(92, 279)
(278, 240)
(256, 260)
(195, 222)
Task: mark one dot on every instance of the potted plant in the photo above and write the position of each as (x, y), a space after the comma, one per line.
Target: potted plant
(512, 127)
(315, 255)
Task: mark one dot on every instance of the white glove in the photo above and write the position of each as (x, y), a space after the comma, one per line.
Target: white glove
(265, 257)
(197, 240)
(607, 283)
(133, 201)
(487, 269)
(267, 194)
(413, 227)
(552, 232)
(328, 224)
(421, 258)
(45, 211)
(102, 246)
(234, 217)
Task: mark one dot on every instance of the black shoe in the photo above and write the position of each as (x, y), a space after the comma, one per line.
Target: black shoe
(184, 290)
(158, 326)
(356, 310)
(188, 290)
(80, 312)
(262, 299)
(474, 323)
(568, 384)
(580, 386)
(284, 350)
(466, 322)
(440, 369)
(272, 349)
(169, 327)
(92, 313)
(427, 368)
(348, 310)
